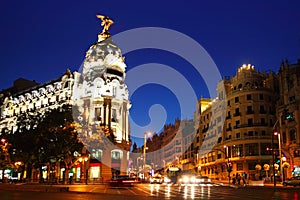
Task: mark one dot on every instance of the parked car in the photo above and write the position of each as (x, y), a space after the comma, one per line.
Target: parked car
(294, 181)
(122, 181)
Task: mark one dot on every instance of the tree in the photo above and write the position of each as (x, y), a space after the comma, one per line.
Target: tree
(45, 138)
(59, 136)
(134, 147)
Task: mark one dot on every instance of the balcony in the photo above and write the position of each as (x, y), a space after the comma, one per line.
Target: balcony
(237, 126)
(237, 114)
(249, 112)
(250, 125)
(205, 130)
(228, 129)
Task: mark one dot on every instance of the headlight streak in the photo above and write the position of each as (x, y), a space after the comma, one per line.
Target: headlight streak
(185, 192)
(168, 191)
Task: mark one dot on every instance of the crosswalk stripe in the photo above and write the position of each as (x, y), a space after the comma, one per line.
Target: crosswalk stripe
(130, 190)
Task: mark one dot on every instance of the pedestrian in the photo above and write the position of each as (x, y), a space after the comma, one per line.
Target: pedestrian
(244, 178)
(239, 179)
(233, 180)
(71, 180)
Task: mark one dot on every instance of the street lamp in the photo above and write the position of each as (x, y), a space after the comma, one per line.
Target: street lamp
(279, 145)
(228, 164)
(4, 147)
(84, 169)
(145, 148)
(145, 145)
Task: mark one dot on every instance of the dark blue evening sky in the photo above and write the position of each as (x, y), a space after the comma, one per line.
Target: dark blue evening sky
(40, 39)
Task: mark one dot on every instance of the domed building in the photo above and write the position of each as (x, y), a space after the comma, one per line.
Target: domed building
(101, 96)
(99, 99)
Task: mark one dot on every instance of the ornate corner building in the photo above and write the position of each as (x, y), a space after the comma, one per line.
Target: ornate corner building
(288, 115)
(98, 92)
(237, 128)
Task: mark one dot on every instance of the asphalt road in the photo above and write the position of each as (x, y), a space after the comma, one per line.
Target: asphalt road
(148, 191)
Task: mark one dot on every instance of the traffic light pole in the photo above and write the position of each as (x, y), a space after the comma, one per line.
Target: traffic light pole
(273, 160)
(273, 152)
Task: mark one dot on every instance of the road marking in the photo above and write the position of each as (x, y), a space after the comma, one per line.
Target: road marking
(130, 190)
(118, 191)
(145, 191)
(93, 189)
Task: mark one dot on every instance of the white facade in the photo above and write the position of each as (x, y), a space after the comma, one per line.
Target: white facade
(37, 100)
(101, 96)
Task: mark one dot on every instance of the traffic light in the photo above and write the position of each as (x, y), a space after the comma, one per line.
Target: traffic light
(229, 167)
(287, 115)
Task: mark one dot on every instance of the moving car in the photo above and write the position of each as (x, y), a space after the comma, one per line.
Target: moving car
(202, 180)
(156, 179)
(122, 181)
(294, 181)
(190, 179)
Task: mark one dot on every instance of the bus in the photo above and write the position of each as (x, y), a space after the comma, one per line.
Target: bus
(172, 174)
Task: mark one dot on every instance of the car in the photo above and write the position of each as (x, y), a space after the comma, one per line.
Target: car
(122, 181)
(190, 179)
(156, 179)
(187, 179)
(294, 181)
(167, 180)
(203, 180)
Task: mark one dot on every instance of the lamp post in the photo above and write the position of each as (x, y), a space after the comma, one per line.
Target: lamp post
(145, 148)
(84, 170)
(273, 155)
(4, 147)
(227, 157)
(137, 162)
(279, 145)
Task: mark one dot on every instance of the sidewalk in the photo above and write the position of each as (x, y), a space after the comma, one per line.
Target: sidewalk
(34, 187)
(250, 183)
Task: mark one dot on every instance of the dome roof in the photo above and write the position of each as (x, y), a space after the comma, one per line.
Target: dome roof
(100, 50)
(101, 56)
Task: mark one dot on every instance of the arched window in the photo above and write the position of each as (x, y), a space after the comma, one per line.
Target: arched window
(116, 154)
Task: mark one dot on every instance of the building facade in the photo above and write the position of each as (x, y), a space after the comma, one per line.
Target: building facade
(288, 115)
(100, 96)
(246, 107)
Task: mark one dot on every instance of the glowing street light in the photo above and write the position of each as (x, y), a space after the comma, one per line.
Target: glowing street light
(229, 165)
(279, 145)
(145, 148)
(84, 169)
(145, 145)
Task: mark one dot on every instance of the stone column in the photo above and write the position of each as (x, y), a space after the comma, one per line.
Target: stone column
(106, 165)
(124, 163)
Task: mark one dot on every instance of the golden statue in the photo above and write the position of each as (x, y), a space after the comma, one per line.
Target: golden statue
(106, 22)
